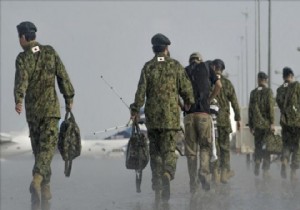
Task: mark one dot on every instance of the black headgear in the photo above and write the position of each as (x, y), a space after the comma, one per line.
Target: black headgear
(286, 71)
(26, 27)
(160, 40)
(262, 75)
(219, 63)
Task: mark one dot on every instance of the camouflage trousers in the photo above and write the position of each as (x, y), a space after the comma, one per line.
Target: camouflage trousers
(162, 154)
(198, 133)
(260, 153)
(291, 141)
(223, 148)
(44, 137)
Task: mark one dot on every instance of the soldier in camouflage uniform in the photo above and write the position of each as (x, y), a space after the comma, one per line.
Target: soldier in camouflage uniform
(162, 81)
(226, 97)
(198, 122)
(261, 122)
(36, 69)
(288, 100)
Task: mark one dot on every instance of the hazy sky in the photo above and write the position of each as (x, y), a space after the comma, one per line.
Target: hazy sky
(112, 39)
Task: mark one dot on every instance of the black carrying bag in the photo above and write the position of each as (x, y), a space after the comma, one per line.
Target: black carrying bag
(137, 153)
(69, 142)
(273, 143)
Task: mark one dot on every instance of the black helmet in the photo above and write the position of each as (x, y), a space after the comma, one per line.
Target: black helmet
(219, 63)
(26, 27)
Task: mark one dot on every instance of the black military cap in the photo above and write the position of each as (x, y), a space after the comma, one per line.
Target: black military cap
(160, 40)
(262, 75)
(26, 27)
(219, 63)
(286, 71)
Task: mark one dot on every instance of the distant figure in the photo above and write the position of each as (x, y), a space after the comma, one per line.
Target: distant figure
(261, 122)
(288, 100)
(162, 81)
(226, 97)
(37, 67)
(198, 122)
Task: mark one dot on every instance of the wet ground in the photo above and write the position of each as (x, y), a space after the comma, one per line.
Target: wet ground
(103, 183)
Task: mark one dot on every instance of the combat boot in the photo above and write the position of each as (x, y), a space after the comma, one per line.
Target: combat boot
(256, 168)
(283, 168)
(35, 189)
(45, 191)
(230, 174)
(165, 194)
(266, 175)
(224, 179)
(215, 177)
(293, 175)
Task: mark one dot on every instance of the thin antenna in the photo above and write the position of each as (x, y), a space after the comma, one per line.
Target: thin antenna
(111, 87)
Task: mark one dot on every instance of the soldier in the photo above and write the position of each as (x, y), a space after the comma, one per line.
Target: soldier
(261, 122)
(36, 69)
(162, 81)
(226, 97)
(288, 100)
(197, 121)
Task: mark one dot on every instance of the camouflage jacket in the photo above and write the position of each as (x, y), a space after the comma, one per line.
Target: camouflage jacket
(226, 97)
(261, 108)
(35, 81)
(288, 100)
(162, 81)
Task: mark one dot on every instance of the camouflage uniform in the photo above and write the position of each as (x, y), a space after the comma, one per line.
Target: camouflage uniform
(261, 116)
(35, 81)
(288, 100)
(227, 95)
(161, 82)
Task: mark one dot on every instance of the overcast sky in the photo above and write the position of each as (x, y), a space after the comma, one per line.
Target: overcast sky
(112, 39)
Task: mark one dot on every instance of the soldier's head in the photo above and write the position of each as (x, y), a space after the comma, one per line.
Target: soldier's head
(26, 32)
(160, 43)
(287, 74)
(262, 78)
(218, 66)
(195, 57)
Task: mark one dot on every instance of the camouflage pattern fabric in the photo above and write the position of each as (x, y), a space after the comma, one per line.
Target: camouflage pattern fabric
(35, 75)
(35, 80)
(226, 97)
(291, 145)
(162, 145)
(260, 154)
(162, 81)
(43, 136)
(223, 147)
(261, 108)
(288, 100)
(198, 133)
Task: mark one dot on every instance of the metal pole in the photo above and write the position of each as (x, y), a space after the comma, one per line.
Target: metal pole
(246, 53)
(242, 71)
(258, 25)
(255, 37)
(269, 45)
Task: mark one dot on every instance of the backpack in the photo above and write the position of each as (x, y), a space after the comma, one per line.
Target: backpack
(137, 154)
(69, 142)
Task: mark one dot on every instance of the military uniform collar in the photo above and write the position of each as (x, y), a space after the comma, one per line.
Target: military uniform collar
(30, 45)
(160, 57)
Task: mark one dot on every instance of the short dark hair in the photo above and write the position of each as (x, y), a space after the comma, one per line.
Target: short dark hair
(159, 48)
(287, 71)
